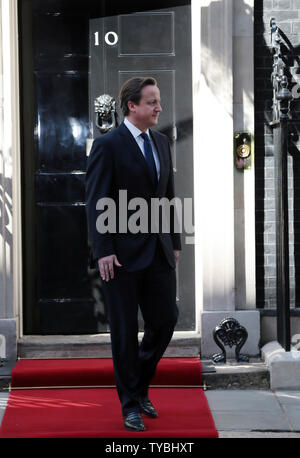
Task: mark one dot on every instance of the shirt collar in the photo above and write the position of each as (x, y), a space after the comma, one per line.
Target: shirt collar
(133, 129)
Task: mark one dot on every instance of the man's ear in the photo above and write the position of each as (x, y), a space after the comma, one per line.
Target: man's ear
(131, 106)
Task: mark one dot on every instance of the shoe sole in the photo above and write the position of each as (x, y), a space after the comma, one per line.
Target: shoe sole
(129, 428)
(149, 414)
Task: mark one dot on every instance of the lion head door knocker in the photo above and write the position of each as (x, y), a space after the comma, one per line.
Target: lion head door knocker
(230, 332)
(106, 116)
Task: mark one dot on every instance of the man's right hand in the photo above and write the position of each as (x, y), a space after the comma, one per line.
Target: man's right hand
(106, 266)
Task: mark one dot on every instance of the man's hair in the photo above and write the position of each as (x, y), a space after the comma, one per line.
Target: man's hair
(131, 91)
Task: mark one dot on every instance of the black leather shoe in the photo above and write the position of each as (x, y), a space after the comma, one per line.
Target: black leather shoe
(134, 422)
(147, 408)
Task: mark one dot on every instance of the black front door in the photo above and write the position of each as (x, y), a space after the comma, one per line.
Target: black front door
(154, 43)
(61, 294)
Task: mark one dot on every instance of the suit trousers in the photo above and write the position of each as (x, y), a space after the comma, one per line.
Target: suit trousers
(153, 289)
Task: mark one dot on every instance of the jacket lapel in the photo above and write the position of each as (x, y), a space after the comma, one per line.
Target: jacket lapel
(131, 146)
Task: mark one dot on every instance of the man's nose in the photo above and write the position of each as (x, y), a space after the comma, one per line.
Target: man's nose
(158, 107)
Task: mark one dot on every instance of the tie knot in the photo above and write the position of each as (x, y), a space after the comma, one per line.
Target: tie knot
(145, 137)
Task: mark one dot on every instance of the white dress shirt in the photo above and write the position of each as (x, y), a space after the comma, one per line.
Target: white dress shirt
(136, 133)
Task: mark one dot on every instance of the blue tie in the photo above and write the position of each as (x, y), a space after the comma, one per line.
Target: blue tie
(149, 156)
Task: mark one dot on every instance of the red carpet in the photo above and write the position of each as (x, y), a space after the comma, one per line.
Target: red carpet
(95, 412)
(94, 372)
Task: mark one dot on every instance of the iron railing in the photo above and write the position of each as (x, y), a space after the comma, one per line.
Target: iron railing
(280, 124)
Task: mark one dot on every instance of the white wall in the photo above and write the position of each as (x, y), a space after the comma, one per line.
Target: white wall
(224, 197)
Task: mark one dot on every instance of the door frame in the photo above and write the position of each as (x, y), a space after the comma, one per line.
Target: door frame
(12, 6)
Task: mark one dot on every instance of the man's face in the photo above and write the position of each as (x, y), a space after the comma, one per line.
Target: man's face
(146, 113)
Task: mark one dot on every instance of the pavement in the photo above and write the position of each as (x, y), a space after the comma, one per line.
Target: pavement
(244, 406)
(255, 413)
(3, 402)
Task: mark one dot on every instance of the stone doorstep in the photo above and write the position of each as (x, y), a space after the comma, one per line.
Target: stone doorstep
(97, 346)
(284, 366)
(232, 375)
(236, 376)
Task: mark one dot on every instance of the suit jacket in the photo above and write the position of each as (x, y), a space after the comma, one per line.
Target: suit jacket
(117, 163)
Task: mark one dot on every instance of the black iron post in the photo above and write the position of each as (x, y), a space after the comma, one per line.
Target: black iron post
(281, 102)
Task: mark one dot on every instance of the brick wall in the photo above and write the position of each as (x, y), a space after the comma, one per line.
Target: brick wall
(287, 15)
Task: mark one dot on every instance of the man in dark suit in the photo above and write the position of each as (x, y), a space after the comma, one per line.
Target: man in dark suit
(137, 268)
